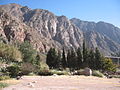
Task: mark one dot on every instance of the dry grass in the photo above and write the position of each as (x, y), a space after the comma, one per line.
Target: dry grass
(10, 81)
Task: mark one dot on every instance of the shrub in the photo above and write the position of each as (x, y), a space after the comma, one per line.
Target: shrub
(115, 76)
(97, 73)
(10, 53)
(44, 69)
(108, 65)
(3, 85)
(59, 72)
(31, 74)
(13, 70)
(27, 68)
(45, 72)
(28, 53)
(4, 77)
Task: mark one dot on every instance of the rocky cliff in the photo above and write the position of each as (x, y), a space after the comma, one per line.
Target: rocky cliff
(44, 30)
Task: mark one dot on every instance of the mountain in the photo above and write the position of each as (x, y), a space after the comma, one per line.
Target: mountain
(44, 30)
(103, 28)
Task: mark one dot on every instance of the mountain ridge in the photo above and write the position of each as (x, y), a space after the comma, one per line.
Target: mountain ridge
(49, 30)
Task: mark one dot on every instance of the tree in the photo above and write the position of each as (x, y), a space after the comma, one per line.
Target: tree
(72, 59)
(91, 59)
(64, 62)
(79, 59)
(58, 61)
(28, 53)
(85, 55)
(10, 53)
(98, 59)
(108, 65)
(69, 59)
(51, 58)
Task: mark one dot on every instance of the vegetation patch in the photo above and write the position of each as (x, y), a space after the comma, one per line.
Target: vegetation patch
(97, 73)
(57, 72)
(3, 85)
(4, 78)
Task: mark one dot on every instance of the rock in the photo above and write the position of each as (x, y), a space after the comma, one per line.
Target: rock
(30, 84)
(55, 75)
(18, 77)
(87, 71)
(34, 82)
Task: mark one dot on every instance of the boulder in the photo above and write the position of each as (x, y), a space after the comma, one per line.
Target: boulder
(87, 72)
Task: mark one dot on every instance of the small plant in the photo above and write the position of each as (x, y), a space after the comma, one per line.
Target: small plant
(4, 77)
(3, 85)
(13, 70)
(97, 73)
(59, 72)
(44, 72)
(27, 68)
(31, 74)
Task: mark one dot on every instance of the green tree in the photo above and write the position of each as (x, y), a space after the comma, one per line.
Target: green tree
(85, 55)
(28, 53)
(79, 58)
(108, 65)
(91, 60)
(59, 61)
(72, 60)
(69, 59)
(10, 53)
(98, 59)
(51, 58)
(64, 61)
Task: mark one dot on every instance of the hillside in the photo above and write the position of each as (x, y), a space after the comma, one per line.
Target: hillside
(44, 30)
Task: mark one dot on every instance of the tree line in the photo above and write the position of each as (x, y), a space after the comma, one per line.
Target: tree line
(78, 59)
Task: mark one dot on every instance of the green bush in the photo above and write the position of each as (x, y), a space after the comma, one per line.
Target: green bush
(28, 53)
(45, 72)
(44, 69)
(3, 85)
(115, 76)
(27, 68)
(44, 66)
(59, 72)
(97, 73)
(4, 77)
(31, 74)
(13, 70)
(9, 53)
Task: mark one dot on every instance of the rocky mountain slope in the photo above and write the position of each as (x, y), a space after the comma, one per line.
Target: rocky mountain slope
(44, 30)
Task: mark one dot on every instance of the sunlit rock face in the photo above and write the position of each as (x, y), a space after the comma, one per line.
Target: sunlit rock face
(43, 30)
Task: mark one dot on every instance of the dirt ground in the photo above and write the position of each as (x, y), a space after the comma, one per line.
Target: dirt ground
(65, 83)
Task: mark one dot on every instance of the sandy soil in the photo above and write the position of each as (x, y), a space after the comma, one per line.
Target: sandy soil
(65, 83)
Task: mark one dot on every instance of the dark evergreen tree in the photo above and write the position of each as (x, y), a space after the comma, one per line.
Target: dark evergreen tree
(85, 55)
(58, 61)
(64, 61)
(79, 58)
(98, 59)
(72, 60)
(51, 59)
(91, 59)
(69, 59)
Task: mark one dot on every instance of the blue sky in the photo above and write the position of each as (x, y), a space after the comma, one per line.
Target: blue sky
(88, 10)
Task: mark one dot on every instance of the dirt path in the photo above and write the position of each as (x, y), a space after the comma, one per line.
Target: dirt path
(66, 83)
